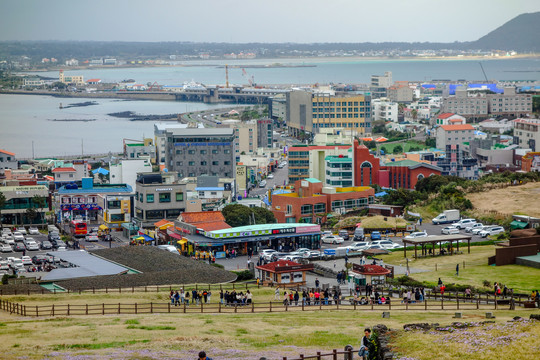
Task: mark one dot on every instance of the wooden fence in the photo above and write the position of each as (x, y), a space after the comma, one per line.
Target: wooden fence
(348, 354)
(215, 308)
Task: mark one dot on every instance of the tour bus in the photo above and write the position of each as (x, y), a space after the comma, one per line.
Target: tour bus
(78, 228)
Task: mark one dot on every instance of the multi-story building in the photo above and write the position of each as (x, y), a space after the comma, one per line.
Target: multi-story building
(194, 151)
(470, 105)
(531, 162)
(278, 107)
(159, 196)
(400, 92)
(307, 112)
(8, 160)
(245, 135)
(18, 200)
(384, 110)
(71, 79)
(89, 199)
(453, 135)
(135, 150)
(311, 201)
(33, 81)
(69, 174)
(456, 163)
(160, 138)
(380, 84)
(265, 133)
(309, 161)
(339, 171)
(124, 171)
(527, 133)
(510, 103)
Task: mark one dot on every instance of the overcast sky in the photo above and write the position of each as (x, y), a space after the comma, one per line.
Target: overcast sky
(239, 21)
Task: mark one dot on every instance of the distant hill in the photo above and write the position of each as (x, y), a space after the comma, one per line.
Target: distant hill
(520, 34)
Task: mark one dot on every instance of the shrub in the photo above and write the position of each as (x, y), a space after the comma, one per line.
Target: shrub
(486, 283)
(243, 275)
(219, 266)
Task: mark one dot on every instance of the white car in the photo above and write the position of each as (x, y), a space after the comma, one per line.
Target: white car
(358, 246)
(26, 260)
(387, 244)
(18, 236)
(332, 239)
(5, 248)
(478, 229)
(15, 263)
(33, 231)
(415, 235)
(22, 230)
(266, 254)
(491, 231)
(473, 226)
(449, 230)
(169, 248)
(463, 223)
(8, 239)
(31, 245)
(4, 265)
(270, 176)
(6, 230)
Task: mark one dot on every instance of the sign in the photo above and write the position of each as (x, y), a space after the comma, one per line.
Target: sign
(308, 229)
(284, 231)
(69, 207)
(164, 189)
(125, 206)
(304, 183)
(220, 254)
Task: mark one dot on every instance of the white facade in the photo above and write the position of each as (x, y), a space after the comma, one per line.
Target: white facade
(453, 135)
(160, 138)
(125, 172)
(385, 110)
(527, 133)
(7, 160)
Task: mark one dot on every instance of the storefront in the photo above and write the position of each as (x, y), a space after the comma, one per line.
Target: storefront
(249, 239)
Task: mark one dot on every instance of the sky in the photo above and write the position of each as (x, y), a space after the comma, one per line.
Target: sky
(241, 21)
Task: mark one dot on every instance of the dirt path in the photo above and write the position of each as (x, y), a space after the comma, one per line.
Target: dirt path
(523, 199)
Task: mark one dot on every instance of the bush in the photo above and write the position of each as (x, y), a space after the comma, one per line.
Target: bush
(5, 279)
(243, 275)
(219, 266)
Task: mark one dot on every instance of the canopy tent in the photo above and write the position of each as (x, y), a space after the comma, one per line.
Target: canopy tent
(100, 171)
(103, 227)
(518, 225)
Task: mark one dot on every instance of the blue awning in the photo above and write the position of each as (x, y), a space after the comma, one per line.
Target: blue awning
(100, 171)
(380, 194)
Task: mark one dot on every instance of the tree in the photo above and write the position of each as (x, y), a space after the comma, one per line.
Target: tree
(430, 142)
(398, 149)
(40, 201)
(240, 215)
(31, 214)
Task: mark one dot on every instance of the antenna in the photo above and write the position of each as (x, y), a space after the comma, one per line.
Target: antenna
(483, 71)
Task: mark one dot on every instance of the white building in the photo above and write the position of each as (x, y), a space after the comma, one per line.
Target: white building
(450, 119)
(125, 171)
(453, 135)
(385, 110)
(527, 133)
(7, 160)
(160, 138)
(76, 172)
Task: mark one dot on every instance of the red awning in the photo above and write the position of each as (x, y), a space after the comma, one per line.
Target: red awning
(175, 235)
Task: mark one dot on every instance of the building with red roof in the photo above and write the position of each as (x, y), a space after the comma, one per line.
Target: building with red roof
(8, 160)
(370, 274)
(200, 222)
(284, 273)
(448, 118)
(454, 135)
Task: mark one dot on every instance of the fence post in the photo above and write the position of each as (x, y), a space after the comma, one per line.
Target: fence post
(119, 308)
(132, 289)
(442, 302)
(37, 311)
(119, 290)
(184, 308)
(136, 308)
(235, 307)
(86, 309)
(252, 306)
(372, 305)
(106, 290)
(202, 306)
(477, 303)
(319, 355)
(334, 353)
(151, 308)
(354, 305)
(103, 309)
(457, 301)
(52, 309)
(145, 288)
(219, 307)
(270, 306)
(68, 310)
(425, 304)
(407, 304)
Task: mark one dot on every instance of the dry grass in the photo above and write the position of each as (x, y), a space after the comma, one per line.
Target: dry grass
(510, 200)
(246, 336)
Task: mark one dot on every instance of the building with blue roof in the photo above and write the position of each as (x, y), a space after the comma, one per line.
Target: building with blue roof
(109, 204)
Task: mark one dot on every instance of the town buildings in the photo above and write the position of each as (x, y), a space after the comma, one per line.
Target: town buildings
(380, 84)
(19, 199)
(78, 170)
(457, 163)
(453, 135)
(531, 162)
(450, 119)
(125, 171)
(527, 133)
(250, 135)
(200, 151)
(311, 201)
(71, 79)
(309, 161)
(8, 160)
(384, 110)
(400, 92)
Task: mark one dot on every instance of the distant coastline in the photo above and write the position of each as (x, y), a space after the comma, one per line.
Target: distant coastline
(290, 62)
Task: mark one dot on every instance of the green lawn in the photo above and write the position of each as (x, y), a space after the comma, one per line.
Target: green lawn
(406, 146)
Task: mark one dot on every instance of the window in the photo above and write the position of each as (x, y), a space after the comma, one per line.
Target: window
(306, 209)
(203, 163)
(226, 151)
(179, 196)
(180, 163)
(191, 163)
(116, 217)
(178, 152)
(191, 152)
(289, 209)
(113, 204)
(215, 162)
(141, 197)
(226, 163)
(203, 152)
(214, 152)
(164, 197)
(320, 208)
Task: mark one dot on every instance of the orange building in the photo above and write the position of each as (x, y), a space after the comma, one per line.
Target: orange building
(531, 162)
(310, 201)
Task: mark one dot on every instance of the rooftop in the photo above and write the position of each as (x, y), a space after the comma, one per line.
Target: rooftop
(251, 228)
(6, 152)
(64, 169)
(445, 115)
(370, 270)
(198, 217)
(284, 266)
(457, 127)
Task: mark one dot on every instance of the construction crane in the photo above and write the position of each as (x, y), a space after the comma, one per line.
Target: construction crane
(155, 86)
(250, 79)
(227, 76)
(483, 71)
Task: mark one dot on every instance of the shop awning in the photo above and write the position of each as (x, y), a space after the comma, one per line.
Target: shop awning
(518, 224)
(145, 238)
(163, 224)
(174, 235)
(181, 242)
(103, 227)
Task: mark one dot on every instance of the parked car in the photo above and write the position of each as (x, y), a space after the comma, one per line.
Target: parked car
(15, 263)
(6, 230)
(415, 235)
(266, 254)
(387, 244)
(295, 258)
(96, 238)
(358, 246)
(46, 245)
(477, 230)
(491, 231)
(40, 259)
(448, 230)
(463, 223)
(270, 176)
(19, 247)
(58, 243)
(313, 254)
(26, 260)
(169, 248)
(344, 234)
(30, 244)
(332, 239)
(32, 230)
(8, 239)
(18, 236)
(470, 228)
(375, 235)
(375, 246)
(262, 184)
(53, 237)
(22, 230)
(5, 248)
(4, 265)
(300, 252)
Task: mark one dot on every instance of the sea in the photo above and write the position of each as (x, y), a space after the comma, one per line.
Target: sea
(28, 127)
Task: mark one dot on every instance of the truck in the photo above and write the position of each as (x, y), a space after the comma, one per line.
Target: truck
(446, 217)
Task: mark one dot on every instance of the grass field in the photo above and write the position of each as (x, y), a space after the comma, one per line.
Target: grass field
(406, 146)
(473, 269)
(224, 336)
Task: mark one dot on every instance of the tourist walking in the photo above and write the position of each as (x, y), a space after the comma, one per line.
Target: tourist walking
(365, 344)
